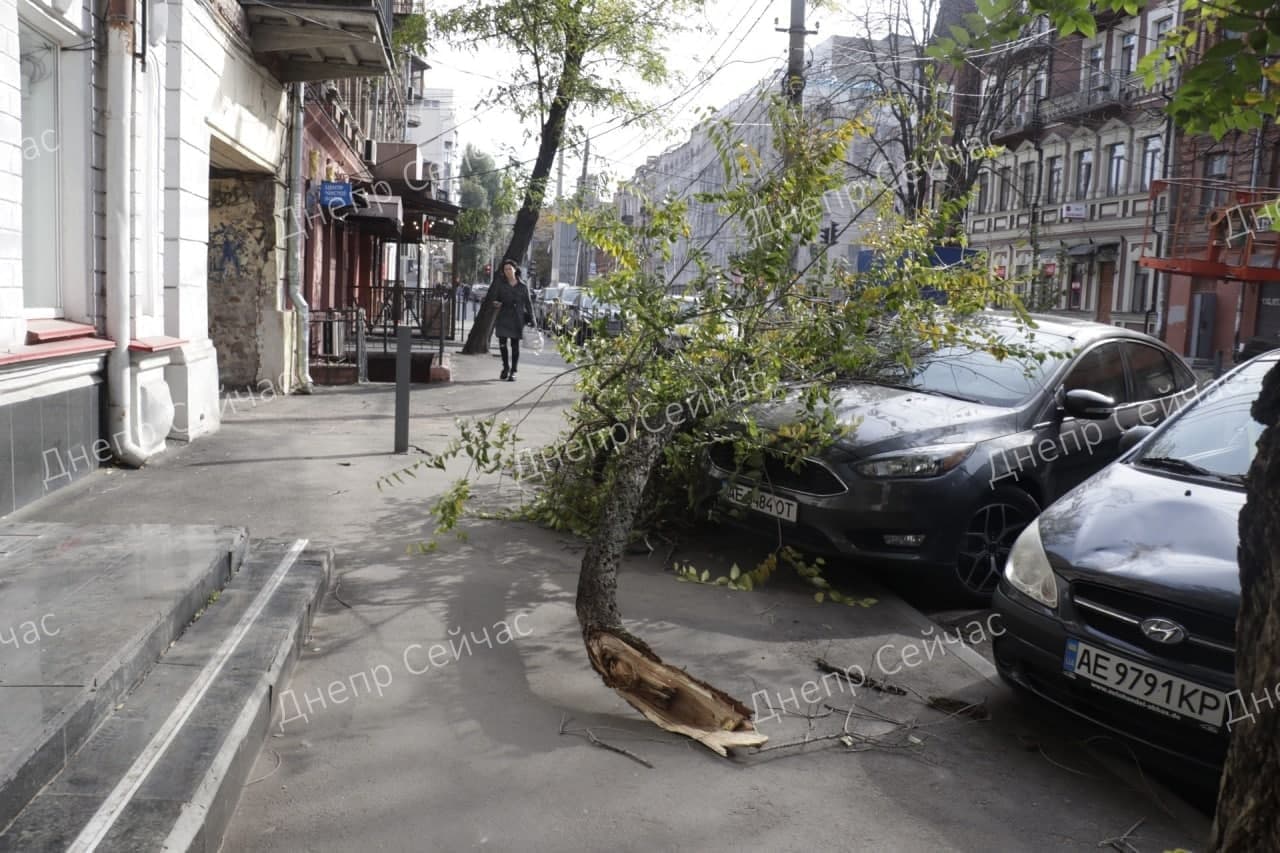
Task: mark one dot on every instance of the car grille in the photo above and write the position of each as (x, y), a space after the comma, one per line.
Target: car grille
(1210, 640)
(811, 477)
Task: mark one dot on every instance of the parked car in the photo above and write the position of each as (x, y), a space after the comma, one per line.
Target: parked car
(591, 315)
(558, 314)
(1119, 604)
(947, 462)
(478, 292)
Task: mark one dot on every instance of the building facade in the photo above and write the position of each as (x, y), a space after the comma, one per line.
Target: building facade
(1066, 207)
(162, 162)
(835, 92)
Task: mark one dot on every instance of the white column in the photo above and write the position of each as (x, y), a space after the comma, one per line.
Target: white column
(13, 327)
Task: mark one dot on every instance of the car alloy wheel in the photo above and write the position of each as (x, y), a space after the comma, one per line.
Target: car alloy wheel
(989, 537)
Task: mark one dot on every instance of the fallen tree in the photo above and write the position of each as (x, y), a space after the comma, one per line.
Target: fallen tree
(653, 404)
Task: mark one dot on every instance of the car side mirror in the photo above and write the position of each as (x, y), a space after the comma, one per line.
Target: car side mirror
(1088, 405)
(1133, 436)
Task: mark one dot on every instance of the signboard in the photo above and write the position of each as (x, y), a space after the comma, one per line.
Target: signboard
(999, 271)
(1075, 210)
(335, 194)
(1051, 269)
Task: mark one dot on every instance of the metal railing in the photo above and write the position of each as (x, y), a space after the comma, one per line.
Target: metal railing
(338, 337)
(1097, 92)
(429, 311)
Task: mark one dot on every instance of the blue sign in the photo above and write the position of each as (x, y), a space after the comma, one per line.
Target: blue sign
(335, 194)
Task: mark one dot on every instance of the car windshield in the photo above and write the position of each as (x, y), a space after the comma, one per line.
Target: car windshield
(1216, 435)
(977, 375)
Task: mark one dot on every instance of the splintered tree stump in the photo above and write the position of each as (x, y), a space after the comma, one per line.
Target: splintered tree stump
(669, 697)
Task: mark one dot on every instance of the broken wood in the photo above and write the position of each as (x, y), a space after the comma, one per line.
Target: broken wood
(668, 697)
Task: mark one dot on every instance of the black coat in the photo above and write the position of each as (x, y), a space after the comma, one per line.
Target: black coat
(516, 311)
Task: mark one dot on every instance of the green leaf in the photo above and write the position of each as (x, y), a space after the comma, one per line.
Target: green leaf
(706, 575)
(734, 572)
(819, 597)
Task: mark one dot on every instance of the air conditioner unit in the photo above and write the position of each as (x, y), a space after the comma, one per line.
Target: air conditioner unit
(370, 155)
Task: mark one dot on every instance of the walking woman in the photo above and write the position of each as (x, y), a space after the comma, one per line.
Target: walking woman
(515, 312)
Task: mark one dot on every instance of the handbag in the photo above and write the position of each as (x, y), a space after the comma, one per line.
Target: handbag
(531, 340)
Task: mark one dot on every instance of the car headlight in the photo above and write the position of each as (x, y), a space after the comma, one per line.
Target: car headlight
(1028, 569)
(921, 462)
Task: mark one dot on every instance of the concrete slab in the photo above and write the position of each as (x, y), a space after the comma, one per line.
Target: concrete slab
(90, 608)
(191, 783)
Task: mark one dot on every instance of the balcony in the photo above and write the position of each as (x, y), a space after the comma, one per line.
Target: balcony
(1100, 93)
(321, 39)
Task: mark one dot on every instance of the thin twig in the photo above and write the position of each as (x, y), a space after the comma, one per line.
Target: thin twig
(1116, 842)
(595, 741)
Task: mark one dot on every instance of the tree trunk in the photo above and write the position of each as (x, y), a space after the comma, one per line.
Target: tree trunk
(1248, 816)
(527, 217)
(666, 696)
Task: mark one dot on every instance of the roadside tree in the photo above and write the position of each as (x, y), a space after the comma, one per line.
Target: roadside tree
(566, 57)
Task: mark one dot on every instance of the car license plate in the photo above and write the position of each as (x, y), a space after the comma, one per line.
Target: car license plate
(1154, 690)
(764, 502)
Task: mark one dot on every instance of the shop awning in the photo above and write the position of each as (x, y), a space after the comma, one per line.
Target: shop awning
(1084, 250)
(382, 215)
(440, 215)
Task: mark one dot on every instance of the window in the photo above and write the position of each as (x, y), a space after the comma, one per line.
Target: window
(1084, 173)
(1041, 87)
(1215, 169)
(1153, 377)
(1162, 27)
(1028, 184)
(1152, 160)
(1128, 53)
(1006, 187)
(1115, 169)
(41, 229)
(1053, 191)
(1094, 76)
(984, 191)
(1102, 370)
(1138, 292)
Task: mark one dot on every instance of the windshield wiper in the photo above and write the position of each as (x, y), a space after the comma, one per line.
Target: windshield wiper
(1182, 466)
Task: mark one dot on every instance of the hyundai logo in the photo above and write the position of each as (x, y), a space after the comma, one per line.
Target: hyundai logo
(1163, 631)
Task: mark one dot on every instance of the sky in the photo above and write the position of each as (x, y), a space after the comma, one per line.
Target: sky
(738, 42)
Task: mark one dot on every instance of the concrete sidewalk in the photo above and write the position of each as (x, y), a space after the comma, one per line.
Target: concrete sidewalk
(465, 750)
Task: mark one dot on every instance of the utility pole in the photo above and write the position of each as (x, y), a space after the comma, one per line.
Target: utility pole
(555, 219)
(793, 85)
(582, 196)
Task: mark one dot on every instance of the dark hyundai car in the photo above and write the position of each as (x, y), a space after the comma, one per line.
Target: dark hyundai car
(946, 463)
(1120, 602)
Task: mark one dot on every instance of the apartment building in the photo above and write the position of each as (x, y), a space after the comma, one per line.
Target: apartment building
(1068, 202)
(836, 89)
